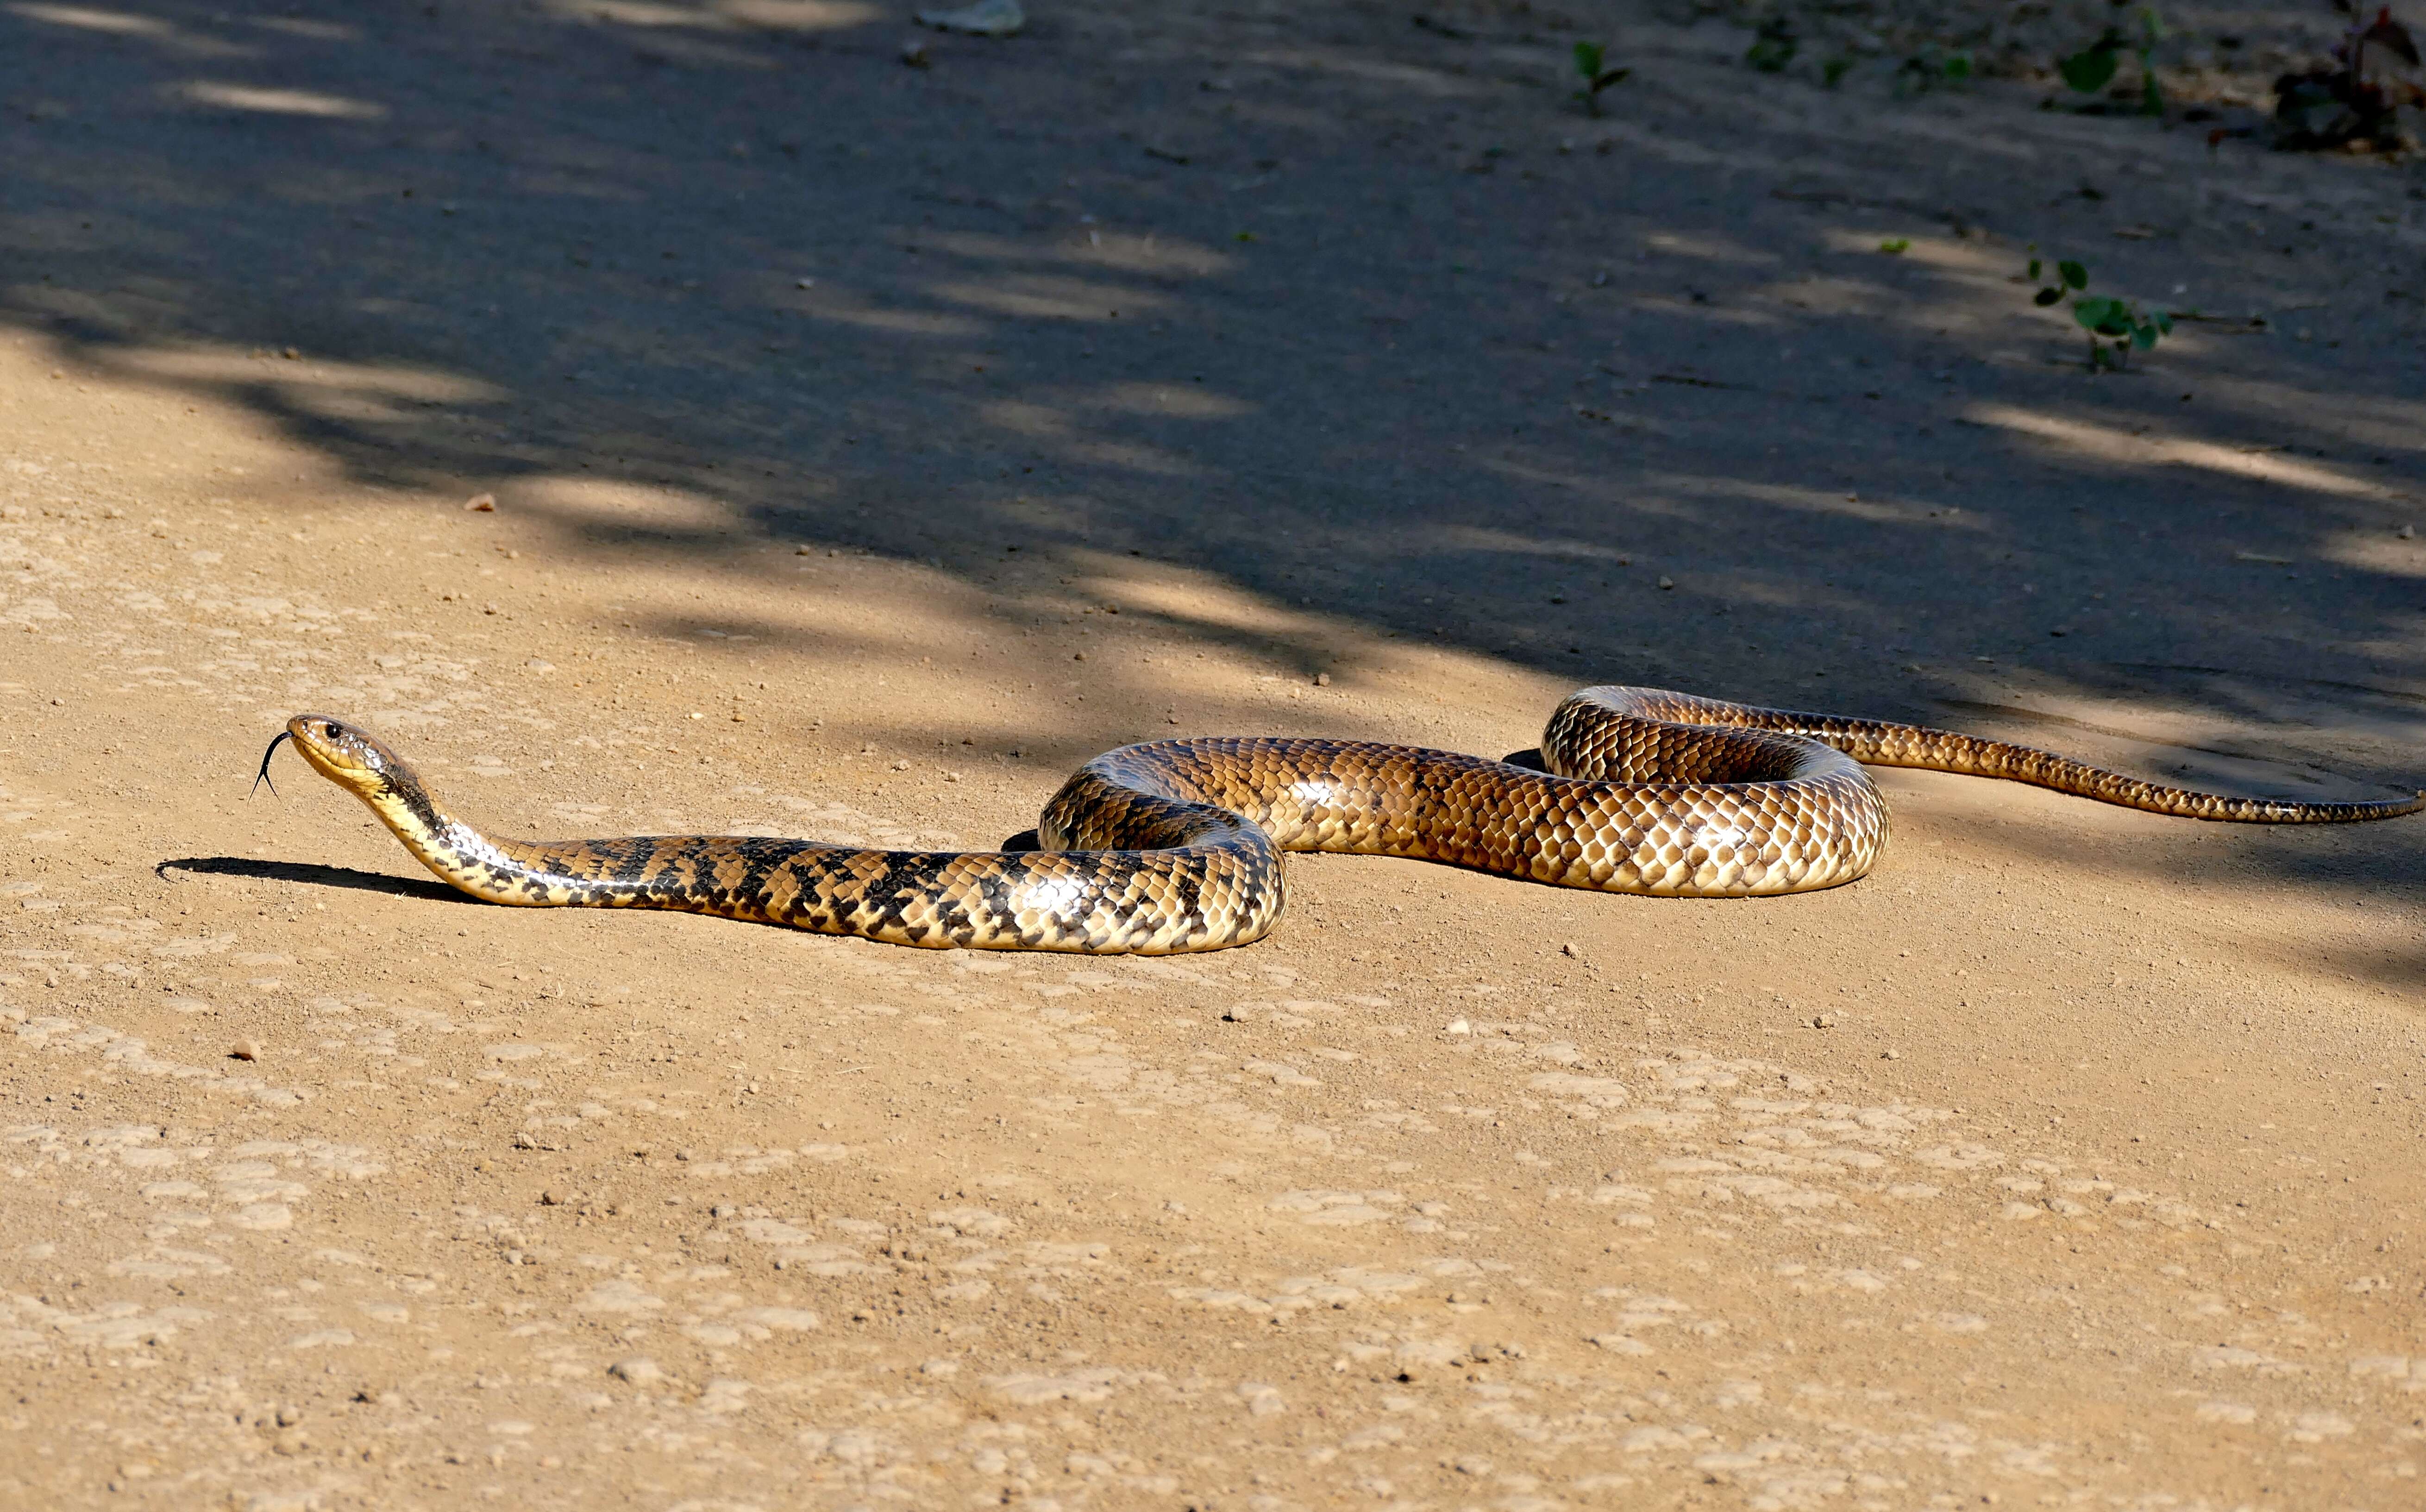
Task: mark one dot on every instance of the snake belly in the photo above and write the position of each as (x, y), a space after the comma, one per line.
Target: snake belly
(1174, 845)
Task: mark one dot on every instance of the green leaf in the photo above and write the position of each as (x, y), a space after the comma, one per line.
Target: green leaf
(2091, 68)
(1833, 72)
(2152, 99)
(2075, 275)
(1588, 59)
(2164, 321)
(1615, 75)
(2144, 336)
(1958, 66)
(2047, 297)
(2105, 317)
(1896, 246)
(2033, 271)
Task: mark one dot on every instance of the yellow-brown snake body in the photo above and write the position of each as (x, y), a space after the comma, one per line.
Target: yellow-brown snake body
(1174, 845)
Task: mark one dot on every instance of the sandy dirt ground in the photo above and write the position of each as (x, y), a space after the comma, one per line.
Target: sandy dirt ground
(870, 444)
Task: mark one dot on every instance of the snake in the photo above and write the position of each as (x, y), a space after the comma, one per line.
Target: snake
(1174, 845)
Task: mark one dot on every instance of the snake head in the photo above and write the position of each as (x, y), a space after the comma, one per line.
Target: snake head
(349, 756)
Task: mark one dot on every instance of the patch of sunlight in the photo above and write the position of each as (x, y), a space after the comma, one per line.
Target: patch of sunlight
(722, 15)
(1480, 538)
(2112, 443)
(116, 22)
(2379, 552)
(606, 502)
(228, 366)
(1708, 249)
(1823, 295)
(844, 308)
(1201, 602)
(120, 23)
(1620, 496)
(1817, 501)
(1934, 251)
(1197, 599)
(1738, 589)
(1049, 426)
(2381, 421)
(318, 31)
(1044, 297)
(801, 15)
(1124, 252)
(1186, 402)
(280, 102)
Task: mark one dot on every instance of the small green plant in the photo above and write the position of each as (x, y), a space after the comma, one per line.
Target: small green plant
(2092, 69)
(1588, 61)
(1833, 72)
(1925, 70)
(1896, 246)
(2115, 326)
(1773, 46)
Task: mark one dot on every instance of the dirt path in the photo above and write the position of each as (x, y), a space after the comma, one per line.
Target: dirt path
(869, 446)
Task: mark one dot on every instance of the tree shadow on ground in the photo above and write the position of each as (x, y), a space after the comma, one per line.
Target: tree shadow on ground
(1353, 319)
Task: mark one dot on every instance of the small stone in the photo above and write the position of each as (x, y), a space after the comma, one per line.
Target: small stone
(1078, 655)
(1890, 1055)
(481, 504)
(2407, 533)
(914, 54)
(1572, 950)
(804, 551)
(639, 1371)
(1822, 1021)
(1322, 679)
(244, 1050)
(1459, 1026)
(1666, 582)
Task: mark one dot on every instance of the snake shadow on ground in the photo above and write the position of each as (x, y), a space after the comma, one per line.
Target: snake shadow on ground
(313, 873)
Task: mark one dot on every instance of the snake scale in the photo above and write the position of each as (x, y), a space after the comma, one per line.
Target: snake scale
(1174, 845)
